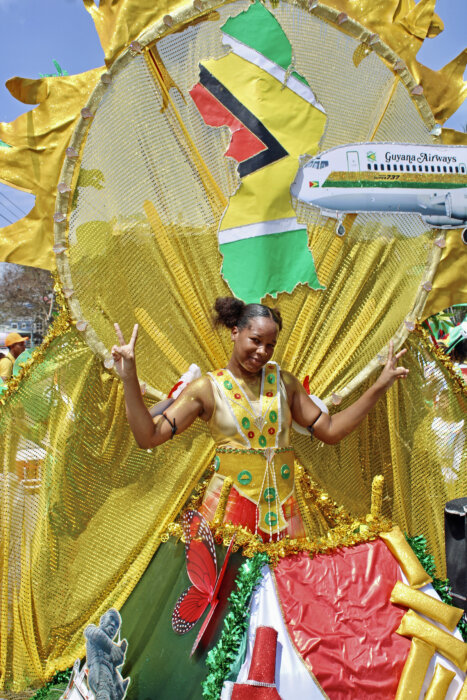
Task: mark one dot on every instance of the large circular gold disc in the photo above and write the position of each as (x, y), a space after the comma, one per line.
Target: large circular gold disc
(151, 184)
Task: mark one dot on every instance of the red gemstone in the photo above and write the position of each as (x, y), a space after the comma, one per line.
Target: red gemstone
(251, 434)
(269, 393)
(219, 374)
(271, 431)
(238, 396)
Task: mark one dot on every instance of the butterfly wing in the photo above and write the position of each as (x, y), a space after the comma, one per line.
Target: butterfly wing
(189, 608)
(200, 552)
(200, 567)
(214, 599)
(195, 526)
(206, 621)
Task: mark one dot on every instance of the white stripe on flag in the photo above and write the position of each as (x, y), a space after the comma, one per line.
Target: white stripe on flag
(273, 69)
(262, 228)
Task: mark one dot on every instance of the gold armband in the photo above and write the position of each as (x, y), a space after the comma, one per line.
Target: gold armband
(398, 545)
(412, 625)
(448, 615)
(414, 671)
(439, 683)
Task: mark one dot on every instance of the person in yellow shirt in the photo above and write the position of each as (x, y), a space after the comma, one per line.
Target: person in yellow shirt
(16, 344)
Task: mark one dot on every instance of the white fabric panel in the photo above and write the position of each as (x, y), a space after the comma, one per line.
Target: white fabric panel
(293, 680)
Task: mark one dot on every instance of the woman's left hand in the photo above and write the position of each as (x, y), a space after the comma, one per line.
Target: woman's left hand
(391, 371)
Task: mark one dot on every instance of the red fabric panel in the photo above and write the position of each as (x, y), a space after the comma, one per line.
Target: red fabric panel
(338, 614)
(240, 511)
(243, 144)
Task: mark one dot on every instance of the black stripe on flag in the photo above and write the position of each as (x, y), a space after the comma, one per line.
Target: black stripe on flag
(274, 151)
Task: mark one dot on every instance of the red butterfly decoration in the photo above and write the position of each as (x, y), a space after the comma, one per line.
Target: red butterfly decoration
(201, 566)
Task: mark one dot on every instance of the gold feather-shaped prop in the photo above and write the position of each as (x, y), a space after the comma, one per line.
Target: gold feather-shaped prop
(38, 141)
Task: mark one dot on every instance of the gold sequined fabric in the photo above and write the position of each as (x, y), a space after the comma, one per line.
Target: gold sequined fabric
(82, 509)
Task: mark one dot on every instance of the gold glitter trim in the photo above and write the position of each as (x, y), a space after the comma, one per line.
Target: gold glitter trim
(439, 683)
(413, 625)
(344, 531)
(377, 495)
(302, 507)
(415, 668)
(447, 615)
(222, 503)
(345, 535)
(408, 561)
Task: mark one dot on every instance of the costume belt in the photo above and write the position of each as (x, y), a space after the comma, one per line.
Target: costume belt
(263, 475)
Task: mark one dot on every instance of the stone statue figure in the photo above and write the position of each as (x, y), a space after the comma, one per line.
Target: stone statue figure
(104, 657)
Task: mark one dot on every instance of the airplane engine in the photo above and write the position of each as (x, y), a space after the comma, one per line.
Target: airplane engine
(444, 221)
(456, 204)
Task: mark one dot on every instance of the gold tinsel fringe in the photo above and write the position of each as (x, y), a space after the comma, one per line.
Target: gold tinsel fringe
(343, 535)
(302, 506)
(333, 513)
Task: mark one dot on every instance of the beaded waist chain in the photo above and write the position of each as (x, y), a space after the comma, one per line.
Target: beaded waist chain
(253, 450)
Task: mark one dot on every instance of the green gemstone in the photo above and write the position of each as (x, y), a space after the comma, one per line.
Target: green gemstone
(217, 463)
(285, 471)
(270, 518)
(227, 384)
(271, 378)
(273, 416)
(269, 495)
(245, 423)
(244, 477)
(262, 441)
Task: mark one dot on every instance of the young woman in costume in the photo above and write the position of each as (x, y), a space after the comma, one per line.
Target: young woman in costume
(249, 406)
(254, 331)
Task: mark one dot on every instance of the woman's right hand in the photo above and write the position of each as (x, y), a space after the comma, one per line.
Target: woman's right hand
(124, 354)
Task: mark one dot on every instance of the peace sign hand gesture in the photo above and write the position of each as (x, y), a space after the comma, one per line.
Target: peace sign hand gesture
(124, 354)
(391, 371)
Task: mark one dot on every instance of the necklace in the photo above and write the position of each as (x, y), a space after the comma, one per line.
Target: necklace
(258, 418)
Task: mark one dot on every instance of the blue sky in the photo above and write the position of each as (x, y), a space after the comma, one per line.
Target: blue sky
(34, 32)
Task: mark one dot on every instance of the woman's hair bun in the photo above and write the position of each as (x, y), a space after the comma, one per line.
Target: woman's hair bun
(232, 312)
(228, 311)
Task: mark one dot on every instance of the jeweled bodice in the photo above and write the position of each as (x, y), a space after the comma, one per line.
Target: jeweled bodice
(239, 421)
(252, 443)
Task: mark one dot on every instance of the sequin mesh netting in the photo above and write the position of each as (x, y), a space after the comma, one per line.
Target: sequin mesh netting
(82, 508)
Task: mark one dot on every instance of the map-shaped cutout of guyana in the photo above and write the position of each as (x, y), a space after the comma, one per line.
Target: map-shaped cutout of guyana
(274, 117)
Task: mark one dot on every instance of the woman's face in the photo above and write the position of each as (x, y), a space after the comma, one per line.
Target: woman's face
(254, 344)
